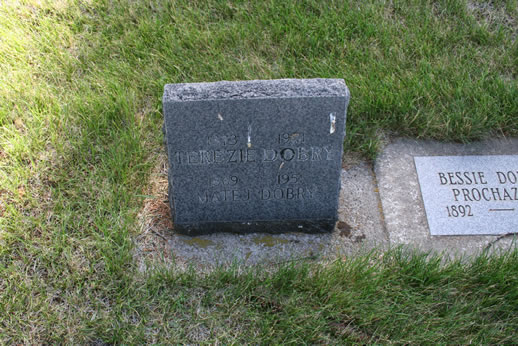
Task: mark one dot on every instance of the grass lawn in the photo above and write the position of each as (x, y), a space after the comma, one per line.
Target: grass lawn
(80, 130)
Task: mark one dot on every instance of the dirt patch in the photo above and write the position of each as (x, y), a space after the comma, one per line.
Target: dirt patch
(491, 14)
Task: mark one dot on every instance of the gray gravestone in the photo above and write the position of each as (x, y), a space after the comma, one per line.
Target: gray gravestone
(469, 195)
(255, 156)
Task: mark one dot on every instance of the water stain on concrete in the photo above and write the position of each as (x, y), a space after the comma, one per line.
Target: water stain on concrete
(269, 241)
(344, 229)
(198, 242)
(360, 238)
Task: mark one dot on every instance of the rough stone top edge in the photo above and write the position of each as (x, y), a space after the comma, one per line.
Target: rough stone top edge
(254, 89)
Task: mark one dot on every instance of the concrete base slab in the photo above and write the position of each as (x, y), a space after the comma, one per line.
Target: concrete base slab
(368, 219)
(360, 207)
(400, 195)
(359, 229)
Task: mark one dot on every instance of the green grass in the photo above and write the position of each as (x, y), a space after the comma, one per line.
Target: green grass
(80, 126)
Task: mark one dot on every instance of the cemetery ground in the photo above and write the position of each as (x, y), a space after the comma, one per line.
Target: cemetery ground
(80, 135)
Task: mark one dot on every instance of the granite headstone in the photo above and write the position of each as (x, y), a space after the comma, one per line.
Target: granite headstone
(469, 195)
(255, 156)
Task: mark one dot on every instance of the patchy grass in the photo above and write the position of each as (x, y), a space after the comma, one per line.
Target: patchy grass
(80, 130)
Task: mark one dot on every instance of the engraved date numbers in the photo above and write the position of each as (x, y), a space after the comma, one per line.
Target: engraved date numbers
(459, 210)
(223, 181)
(293, 178)
(291, 138)
(224, 140)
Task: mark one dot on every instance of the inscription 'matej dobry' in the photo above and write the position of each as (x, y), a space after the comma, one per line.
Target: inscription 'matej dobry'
(286, 185)
(255, 156)
(480, 200)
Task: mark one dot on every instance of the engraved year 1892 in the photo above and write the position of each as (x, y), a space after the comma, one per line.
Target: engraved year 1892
(459, 210)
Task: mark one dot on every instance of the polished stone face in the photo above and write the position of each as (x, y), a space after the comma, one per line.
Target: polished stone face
(470, 195)
(255, 155)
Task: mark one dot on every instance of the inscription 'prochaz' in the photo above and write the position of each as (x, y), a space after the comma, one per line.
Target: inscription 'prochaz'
(208, 157)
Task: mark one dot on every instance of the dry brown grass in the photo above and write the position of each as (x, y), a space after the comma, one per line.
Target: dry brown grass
(155, 223)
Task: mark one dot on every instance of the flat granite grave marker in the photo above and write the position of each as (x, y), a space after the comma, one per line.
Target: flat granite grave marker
(255, 156)
(469, 195)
